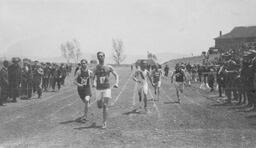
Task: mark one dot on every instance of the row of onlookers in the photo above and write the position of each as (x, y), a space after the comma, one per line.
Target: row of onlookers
(23, 78)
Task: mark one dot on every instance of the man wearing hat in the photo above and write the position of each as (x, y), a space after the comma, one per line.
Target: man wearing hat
(244, 79)
(14, 76)
(26, 83)
(230, 73)
(63, 74)
(37, 78)
(46, 76)
(4, 83)
(250, 78)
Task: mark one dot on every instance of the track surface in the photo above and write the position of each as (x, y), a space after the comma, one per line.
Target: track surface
(199, 121)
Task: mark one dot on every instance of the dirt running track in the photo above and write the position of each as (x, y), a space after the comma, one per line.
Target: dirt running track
(199, 121)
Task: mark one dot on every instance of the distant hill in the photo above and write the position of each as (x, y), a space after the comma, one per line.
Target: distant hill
(191, 60)
(161, 57)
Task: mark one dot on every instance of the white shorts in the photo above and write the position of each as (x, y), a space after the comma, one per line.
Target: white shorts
(143, 88)
(158, 84)
(105, 93)
(179, 86)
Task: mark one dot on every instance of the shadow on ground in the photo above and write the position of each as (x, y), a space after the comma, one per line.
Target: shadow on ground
(93, 125)
(171, 102)
(251, 116)
(77, 120)
(134, 111)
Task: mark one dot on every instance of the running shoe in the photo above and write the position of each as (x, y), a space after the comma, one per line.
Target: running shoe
(104, 126)
(100, 103)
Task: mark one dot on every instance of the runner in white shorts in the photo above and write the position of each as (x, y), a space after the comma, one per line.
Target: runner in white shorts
(156, 76)
(102, 84)
(179, 77)
(140, 76)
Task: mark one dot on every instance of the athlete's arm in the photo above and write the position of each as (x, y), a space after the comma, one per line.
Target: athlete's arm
(75, 80)
(90, 77)
(94, 78)
(172, 77)
(151, 75)
(161, 74)
(115, 75)
(184, 76)
(150, 79)
(135, 76)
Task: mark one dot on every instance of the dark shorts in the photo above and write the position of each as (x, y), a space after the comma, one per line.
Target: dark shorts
(84, 91)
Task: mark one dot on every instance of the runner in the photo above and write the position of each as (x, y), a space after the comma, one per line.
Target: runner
(102, 84)
(179, 76)
(156, 75)
(140, 77)
(82, 80)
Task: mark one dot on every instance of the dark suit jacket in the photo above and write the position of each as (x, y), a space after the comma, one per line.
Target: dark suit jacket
(14, 75)
(4, 77)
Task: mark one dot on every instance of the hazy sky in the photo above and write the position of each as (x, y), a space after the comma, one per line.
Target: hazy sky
(37, 27)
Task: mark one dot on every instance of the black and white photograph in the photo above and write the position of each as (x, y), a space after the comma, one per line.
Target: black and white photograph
(127, 73)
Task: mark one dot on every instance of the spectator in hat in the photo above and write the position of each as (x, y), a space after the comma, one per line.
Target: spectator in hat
(14, 76)
(211, 78)
(63, 74)
(230, 72)
(26, 84)
(4, 83)
(220, 80)
(46, 76)
(250, 75)
(37, 79)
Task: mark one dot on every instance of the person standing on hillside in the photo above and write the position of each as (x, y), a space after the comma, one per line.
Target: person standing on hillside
(102, 83)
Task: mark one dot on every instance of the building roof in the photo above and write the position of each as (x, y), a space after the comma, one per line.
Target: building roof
(240, 32)
(149, 61)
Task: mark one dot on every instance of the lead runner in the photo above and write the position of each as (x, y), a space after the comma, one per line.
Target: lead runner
(102, 84)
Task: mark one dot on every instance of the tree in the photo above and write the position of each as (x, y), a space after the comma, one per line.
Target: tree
(64, 52)
(154, 57)
(78, 53)
(118, 52)
(70, 47)
(151, 56)
(71, 50)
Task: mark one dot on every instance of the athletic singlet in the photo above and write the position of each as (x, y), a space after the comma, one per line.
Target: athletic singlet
(156, 75)
(141, 76)
(102, 73)
(83, 77)
(179, 76)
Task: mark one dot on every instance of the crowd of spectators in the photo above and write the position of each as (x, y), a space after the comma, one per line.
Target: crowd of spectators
(25, 78)
(232, 74)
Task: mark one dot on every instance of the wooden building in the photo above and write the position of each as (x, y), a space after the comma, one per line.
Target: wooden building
(150, 62)
(238, 38)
